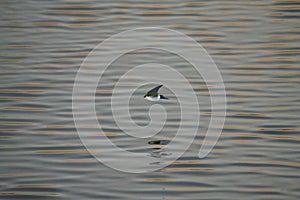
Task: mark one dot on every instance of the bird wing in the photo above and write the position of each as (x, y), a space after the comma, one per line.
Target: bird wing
(154, 91)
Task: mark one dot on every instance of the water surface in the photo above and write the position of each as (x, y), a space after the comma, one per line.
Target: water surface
(256, 47)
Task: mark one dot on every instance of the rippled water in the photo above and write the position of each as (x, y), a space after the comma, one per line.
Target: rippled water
(256, 47)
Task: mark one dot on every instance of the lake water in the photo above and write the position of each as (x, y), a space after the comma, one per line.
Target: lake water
(256, 46)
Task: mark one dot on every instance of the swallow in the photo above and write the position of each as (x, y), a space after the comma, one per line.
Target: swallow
(153, 95)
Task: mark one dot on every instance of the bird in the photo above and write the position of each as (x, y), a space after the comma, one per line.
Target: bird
(153, 95)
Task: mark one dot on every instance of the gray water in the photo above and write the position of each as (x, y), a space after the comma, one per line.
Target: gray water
(255, 45)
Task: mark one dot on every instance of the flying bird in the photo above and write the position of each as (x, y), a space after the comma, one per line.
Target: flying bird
(153, 95)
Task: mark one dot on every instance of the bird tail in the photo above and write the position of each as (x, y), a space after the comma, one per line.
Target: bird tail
(163, 97)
